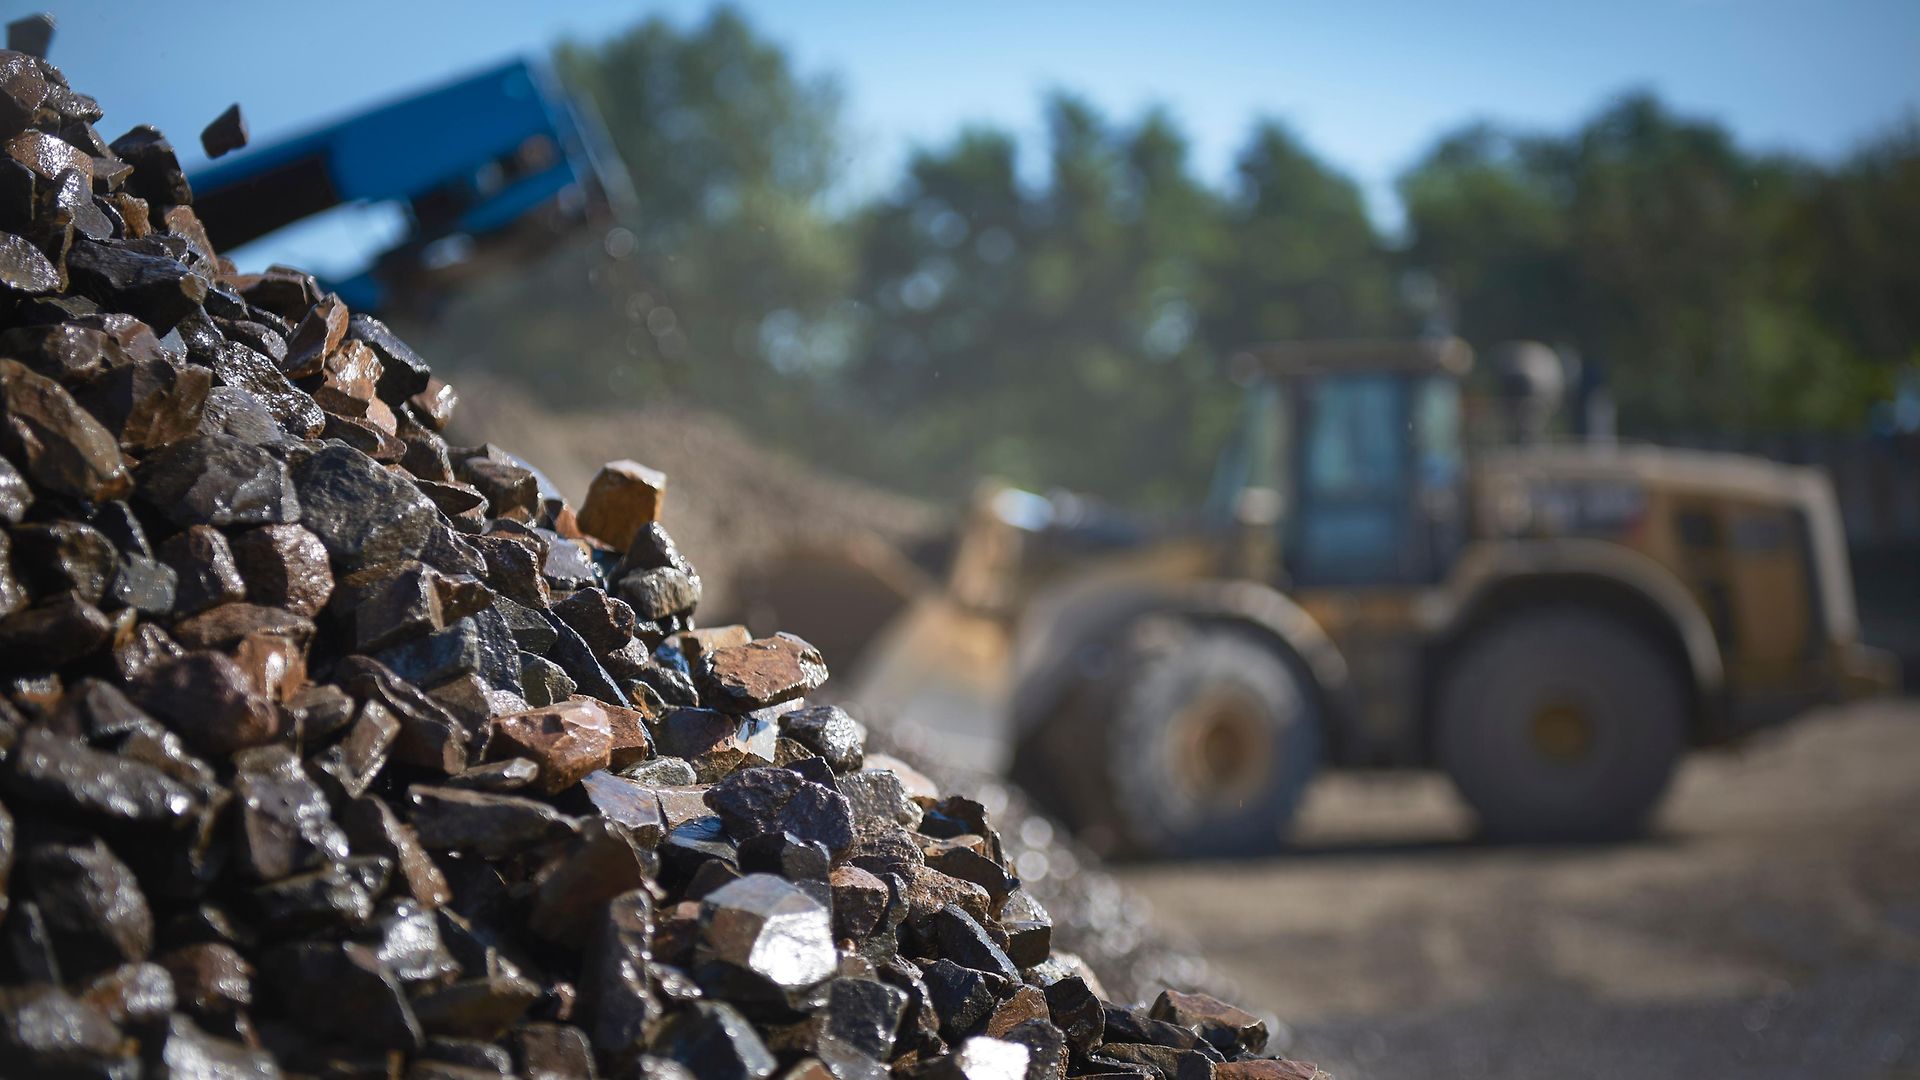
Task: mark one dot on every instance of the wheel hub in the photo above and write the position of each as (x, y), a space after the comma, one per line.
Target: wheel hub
(1561, 731)
(1222, 747)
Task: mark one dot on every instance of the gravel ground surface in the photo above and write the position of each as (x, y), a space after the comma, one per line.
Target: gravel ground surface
(1769, 929)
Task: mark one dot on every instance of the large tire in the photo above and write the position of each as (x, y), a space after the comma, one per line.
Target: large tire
(1562, 724)
(1202, 747)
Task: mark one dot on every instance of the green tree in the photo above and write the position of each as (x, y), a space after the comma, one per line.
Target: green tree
(1485, 222)
(1855, 236)
(732, 153)
(728, 256)
(1045, 335)
(1306, 261)
(1655, 246)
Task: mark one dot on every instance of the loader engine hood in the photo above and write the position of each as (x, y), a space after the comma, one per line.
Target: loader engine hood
(1626, 492)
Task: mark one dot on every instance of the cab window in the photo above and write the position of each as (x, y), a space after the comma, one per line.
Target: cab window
(1353, 491)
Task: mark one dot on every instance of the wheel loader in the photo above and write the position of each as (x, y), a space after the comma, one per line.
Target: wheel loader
(1553, 626)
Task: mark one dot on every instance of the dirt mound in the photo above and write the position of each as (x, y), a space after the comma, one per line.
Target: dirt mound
(730, 499)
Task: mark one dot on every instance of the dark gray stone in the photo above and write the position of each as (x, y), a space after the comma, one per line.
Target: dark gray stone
(361, 512)
(493, 826)
(207, 575)
(341, 990)
(218, 480)
(714, 1042)
(965, 942)
(767, 800)
(283, 823)
(66, 774)
(96, 915)
(828, 731)
(237, 366)
(762, 937)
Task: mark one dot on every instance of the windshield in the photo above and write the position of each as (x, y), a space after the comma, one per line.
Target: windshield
(1354, 445)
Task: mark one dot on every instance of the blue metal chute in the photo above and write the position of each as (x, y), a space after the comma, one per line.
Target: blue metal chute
(481, 160)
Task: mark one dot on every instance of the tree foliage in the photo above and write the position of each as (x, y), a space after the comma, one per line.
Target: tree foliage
(1700, 277)
(1062, 320)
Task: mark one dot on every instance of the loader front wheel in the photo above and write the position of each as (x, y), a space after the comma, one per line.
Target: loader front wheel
(1200, 744)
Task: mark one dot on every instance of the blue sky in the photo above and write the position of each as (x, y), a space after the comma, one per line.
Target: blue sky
(1369, 85)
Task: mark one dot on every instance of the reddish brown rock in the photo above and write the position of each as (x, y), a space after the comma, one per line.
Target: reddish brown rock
(371, 825)
(347, 387)
(210, 979)
(206, 574)
(552, 1050)
(709, 741)
(623, 497)
(182, 222)
(567, 741)
(696, 644)
(68, 354)
(382, 417)
(760, 673)
(208, 700)
(133, 210)
(929, 890)
(430, 736)
(364, 437)
(601, 863)
(859, 901)
(149, 403)
(1268, 1069)
(22, 87)
(1228, 1028)
(54, 631)
(434, 405)
(285, 566)
(631, 743)
(275, 664)
(390, 603)
(511, 490)
(47, 156)
(355, 760)
(56, 442)
(223, 626)
(603, 622)
(1027, 1003)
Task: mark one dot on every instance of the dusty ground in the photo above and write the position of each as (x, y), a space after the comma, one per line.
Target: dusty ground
(1770, 929)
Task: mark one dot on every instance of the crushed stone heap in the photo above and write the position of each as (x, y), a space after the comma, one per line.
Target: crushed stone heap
(329, 749)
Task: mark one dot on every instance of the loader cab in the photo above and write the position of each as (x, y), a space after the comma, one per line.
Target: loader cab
(1361, 446)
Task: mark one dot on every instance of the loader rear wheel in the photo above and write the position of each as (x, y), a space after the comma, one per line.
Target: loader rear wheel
(1561, 724)
(1202, 746)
